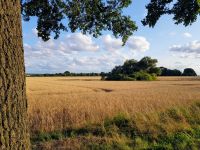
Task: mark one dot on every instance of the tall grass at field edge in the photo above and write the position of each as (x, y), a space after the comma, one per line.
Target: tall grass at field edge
(122, 133)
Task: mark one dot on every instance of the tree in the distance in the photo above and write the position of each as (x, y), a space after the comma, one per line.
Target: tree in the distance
(67, 73)
(169, 72)
(87, 16)
(189, 72)
(145, 69)
(147, 63)
(130, 66)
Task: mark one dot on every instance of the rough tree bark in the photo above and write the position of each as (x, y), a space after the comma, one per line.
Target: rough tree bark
(13, 102)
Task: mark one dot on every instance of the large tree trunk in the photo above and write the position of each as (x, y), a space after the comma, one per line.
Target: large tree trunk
(13, 102)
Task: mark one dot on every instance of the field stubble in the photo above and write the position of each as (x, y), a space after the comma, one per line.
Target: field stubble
(58, 103)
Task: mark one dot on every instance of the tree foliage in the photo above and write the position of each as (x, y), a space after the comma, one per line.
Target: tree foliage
(183, 11)
(88, 16)
(145, 69)
(95, 16)
(176, 72)
(189, 72)
(170, 72)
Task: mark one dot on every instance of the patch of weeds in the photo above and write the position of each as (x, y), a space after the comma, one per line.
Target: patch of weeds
(197, 104)
(175, 114)
(120, 146)
(197, 132)
(97, 146)
(94, 129)
(56, 135)
(188, 116)
(158, 146)
(69, 132)
(90, 129)
(41, 137)
(195, 111)
(117, 143)
(121, 124)
(163, 117)
(140, 143)
(183, 140)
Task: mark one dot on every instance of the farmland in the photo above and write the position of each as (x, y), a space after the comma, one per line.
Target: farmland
(59, 103)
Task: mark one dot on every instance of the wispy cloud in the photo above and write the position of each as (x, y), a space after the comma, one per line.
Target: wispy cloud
(191, 49)
(187, 35)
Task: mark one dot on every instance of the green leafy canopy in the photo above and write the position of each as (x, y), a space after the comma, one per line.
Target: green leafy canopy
(95, 16)
(88, 16)
(183, 11)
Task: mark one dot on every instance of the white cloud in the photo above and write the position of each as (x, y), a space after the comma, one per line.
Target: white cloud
(187, 35)
(138, 43)
(135, 43)
(189, 50)
(79, 42)
(192, 47)
(80, 53)
(111, 43)
(72, 42)
(55, 55)
(35, 31)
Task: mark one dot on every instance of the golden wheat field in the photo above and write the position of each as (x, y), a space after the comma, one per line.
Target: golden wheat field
(56, 103)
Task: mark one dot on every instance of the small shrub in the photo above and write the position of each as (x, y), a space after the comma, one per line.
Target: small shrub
(143, 76)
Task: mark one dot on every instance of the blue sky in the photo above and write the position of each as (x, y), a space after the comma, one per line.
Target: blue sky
(175, 46)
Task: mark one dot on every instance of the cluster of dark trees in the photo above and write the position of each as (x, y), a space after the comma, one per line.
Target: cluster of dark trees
(145, 69)
(176, 72)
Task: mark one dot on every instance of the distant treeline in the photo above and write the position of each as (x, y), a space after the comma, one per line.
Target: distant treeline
(66, 73)
(164, 72)
(176, 72)
(145, 69)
